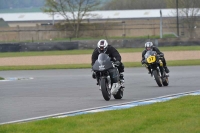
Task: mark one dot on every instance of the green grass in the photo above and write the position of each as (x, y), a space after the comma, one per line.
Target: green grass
(180, 48)
(1, 78)
(175, 116)
(170, 48)
(45, 53)
(42, 67)
(169, 63)
(82, 66)
(183, 62)
(89, 51)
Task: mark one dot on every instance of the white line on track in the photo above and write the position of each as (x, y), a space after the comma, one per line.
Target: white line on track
(16, 78)
(109, 107)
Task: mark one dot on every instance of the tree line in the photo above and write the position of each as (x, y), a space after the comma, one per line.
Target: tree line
(105, 4)
(77, 9)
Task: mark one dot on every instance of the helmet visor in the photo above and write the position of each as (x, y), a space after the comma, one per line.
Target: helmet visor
(148, 48)
(102, 46)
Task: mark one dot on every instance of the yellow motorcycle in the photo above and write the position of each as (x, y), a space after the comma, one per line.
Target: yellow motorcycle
(154, 62)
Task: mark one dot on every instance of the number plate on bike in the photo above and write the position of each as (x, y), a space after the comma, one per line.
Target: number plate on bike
(151, 59)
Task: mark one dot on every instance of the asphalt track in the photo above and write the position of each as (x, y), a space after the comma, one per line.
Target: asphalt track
(57, 91)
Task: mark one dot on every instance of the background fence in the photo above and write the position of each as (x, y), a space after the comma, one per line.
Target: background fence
(127, 28)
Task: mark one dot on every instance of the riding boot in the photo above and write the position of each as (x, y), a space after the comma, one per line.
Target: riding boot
(165, 65)
(121, 76)
(149, 69)
(97, 81)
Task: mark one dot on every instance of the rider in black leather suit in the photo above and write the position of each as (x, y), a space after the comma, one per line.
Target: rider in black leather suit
(149, 46)
(103, 47)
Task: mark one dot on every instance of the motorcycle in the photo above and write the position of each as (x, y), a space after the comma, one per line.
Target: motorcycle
(107, 76)
(153, 60)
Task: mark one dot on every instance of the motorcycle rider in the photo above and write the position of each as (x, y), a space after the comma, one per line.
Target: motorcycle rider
(149, 46)
(104, 47)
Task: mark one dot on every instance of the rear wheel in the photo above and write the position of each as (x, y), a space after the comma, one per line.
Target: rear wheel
(105, 89)
(157, 78)
(119, 94)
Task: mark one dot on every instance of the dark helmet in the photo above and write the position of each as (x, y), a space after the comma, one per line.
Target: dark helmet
(148, 46)
(102, 46)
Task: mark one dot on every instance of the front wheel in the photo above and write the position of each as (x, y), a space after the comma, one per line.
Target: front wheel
(119, 94)
(157, 78)
(105, 89)
(166, 82)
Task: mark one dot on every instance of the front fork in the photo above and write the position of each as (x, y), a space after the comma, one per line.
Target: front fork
(161, 71)
(107, 79)
(160, 64)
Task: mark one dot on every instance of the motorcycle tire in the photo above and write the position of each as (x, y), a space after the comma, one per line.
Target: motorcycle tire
(157, 78)
(106, 92)
(119, 94)
(166, 82)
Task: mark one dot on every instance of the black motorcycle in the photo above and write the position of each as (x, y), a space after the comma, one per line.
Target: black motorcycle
(107, 76)
(154, 61)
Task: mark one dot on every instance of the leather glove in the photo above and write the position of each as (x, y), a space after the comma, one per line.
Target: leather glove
(161, 55)
(117, 63)
(143, 61)
(94, 75)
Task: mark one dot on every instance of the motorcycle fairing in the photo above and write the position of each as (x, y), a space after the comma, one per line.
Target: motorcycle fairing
(102, 63)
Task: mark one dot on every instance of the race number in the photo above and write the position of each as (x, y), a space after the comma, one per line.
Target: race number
(151, 59)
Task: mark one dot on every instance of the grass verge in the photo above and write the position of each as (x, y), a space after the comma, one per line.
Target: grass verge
(1, 78)
(175, 116)
(82, 66)
(89, 51)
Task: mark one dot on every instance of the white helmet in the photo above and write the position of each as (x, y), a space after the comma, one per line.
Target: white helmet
(148, 45)
(102, 46)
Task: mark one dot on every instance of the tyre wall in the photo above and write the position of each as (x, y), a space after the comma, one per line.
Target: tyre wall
(47, 46)
(123, 43)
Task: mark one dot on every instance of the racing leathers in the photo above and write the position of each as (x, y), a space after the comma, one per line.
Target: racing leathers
(114, 55)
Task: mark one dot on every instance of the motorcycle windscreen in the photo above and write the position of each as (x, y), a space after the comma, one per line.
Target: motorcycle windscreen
(102, 63)
(149, 53)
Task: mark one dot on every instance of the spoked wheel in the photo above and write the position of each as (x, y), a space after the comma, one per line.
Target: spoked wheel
(105, 89)
(119, 94)
(157, 78)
